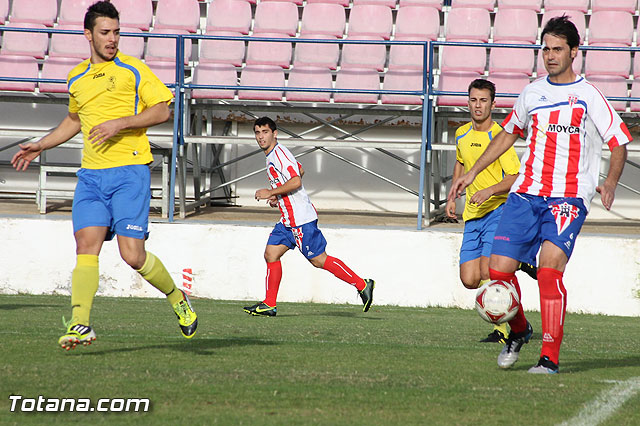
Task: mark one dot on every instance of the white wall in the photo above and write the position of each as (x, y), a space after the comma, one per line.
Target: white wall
(411, 268)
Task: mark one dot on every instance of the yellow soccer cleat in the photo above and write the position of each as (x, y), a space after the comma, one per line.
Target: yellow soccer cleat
(76, 334)
(187, 318)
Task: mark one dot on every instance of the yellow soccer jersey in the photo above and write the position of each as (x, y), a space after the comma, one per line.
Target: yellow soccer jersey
(470, 145)
(109, 90)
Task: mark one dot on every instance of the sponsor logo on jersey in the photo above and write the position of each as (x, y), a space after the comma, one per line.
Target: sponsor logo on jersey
(98, 75)
(543, 98)
(564, 213)
(479, 145)
(501, 237)
(559, 128)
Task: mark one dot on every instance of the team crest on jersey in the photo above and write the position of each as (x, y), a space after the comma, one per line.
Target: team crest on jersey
(573, 99)
(564, 213)
(111, 84)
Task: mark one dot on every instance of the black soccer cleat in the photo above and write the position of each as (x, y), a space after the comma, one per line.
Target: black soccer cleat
(261, 309)
(529, 269)
(366, 294)
(495, 336)
(544, 366)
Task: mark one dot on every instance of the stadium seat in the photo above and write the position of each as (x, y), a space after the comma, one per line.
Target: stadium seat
(28, 44)
(620, 5)
(42, 12)
(508, 83)
(311, 77)
(72, 11)
(636, 66)
(388, 3)
(635, 93)
(264, 76)
(178, 15)
(222, 51)
(416, 21)
(135, 13)
(363, 79)
(164, 49)
(276, 17)
(614, 29)
(612, 85)
(511, 60)
(56, 68)
(164, 70)
(535, 5)
(4, 10)
(369, 56)
(370, 20)
(482, 4)
(296, 2)
(343, 3)
(402, 80)
(580, 5)
(406, 57)
(424, 3)
(454, 82)
(466, 25)
(324, 19)
(132, 46)
(515, 26)
(220, 74)
(18, 66)
(70, 45)
(323, 55)
(229, 15)
(575, 16)
(269, 53)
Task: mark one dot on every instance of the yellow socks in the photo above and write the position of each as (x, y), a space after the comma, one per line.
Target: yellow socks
(84, 285)
(157, 275)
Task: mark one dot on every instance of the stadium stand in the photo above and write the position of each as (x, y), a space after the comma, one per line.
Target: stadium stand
(323, 55)
(481, 4)
(220, 74)
(229, 15)
(425, 3)
(580, 5)
(513, 26)
(370, 21)
(535, 5)
(56, 68)
(69, 45)
(72, 11)
(24, 43)
(181, 15)
(264, 76)
(132, 46)
(43, 12)
(413, 23)
(164, 49)
(135, 13)
(276, 17)
(609, 29)
(310, 77)
(343, 3)
(629, 6)
(466, 25)
(402, 79)
(356, 78)
(18, 66)
(269, 53)
(454, 81)
(323, 19)
(4, 10)
(388, 3)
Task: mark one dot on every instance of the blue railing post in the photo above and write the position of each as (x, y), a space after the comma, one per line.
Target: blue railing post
(178, 123)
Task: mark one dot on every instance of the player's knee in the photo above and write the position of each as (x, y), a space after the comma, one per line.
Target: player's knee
(470, 284)
(318, 263)
(133, 259)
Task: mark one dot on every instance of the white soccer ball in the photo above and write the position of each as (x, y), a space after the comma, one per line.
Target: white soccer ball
(497, 302)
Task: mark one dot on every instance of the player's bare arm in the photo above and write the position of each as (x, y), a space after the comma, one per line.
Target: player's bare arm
(68, 128)
(608, 188)
(450, 208)
(156, 114)
(290, 186)
(499, 188)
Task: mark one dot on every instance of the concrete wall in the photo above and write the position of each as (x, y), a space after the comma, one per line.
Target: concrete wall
(411, 268)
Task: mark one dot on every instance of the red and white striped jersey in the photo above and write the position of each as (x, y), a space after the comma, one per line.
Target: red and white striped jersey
(295, 207)
(566, 127)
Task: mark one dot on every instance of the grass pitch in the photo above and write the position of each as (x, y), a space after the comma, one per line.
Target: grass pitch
(312, 364)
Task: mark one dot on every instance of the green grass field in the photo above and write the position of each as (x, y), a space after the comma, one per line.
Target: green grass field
(313, 364)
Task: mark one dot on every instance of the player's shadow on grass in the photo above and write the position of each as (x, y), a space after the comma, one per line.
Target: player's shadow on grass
(578, 366)
(13, 307)
(346, 314)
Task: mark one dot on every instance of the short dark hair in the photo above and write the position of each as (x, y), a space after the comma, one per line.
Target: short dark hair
(562, 27)
(480, 83)
(265, 121)
(101, 9)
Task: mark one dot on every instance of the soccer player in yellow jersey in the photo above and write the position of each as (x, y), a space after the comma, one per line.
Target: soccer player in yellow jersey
(487, 194)
(113, 99)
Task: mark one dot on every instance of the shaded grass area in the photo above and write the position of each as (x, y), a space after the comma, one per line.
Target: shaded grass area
(313, 364)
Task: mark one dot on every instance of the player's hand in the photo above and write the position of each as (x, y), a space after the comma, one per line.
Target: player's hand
(607, 193)
(263, 194)
(273, 201)
(481, 196)
(28, 152)
(450, 209)
(102, 132)
(459, 185)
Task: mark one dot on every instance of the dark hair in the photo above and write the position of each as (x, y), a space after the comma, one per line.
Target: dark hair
(480, 83)
(562, 27)
(265, 121)
(101, 9)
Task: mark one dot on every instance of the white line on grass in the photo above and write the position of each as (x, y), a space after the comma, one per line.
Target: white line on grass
(605, 404)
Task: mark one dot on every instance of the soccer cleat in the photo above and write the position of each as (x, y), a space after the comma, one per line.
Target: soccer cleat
(187, 318)
(366, 294)
(495, 336)
(529, 269)
(261, 309)
(545, 366)
(76, 334)
(509, 354)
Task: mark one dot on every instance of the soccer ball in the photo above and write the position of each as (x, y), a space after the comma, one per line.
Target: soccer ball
(497, 302)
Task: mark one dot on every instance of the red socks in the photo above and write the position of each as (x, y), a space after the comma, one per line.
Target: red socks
(272, 282)
(553, 306)
(519, 323)
(342, 271)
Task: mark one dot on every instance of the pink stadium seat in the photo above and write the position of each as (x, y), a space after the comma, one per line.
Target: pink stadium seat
(72, 11)
(466, 25)
(28, 44)
(388, 3)
(229, 15)
(221, 74)
(4, 10)
(276, 17)
(635, 93)
(611, 85)
(575, 16)
(178, 15)
(132, 46)
(70, 45)
(581, 5)
(311, 77)
(636, 66)
(357, 79)
(269, 53)
(135, 13)
(18, 66)
(323, 55)
(482, 4)
(164, 70)
(42, 12)
(344, 3)
(369, 56)
(402, 80)
(322, 18)
(296, 2)
(370, 20)
(454, 82)
(621, 5)
(508, 83)
(515, 25)
(420, 22)
(577, 64)
(609, 28)
(406, 57)
(222, 51)
(428, 3)
(56, 68)
(164, 49)
(511, 60)
(262, 75)
(535, 5)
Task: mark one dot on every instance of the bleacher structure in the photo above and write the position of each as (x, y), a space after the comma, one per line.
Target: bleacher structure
(325, 62)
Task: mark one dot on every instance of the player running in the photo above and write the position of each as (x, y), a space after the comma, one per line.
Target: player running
(567, 119)
(113, 99)
(298, 226)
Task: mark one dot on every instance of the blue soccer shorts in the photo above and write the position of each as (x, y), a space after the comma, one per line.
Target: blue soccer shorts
(478, 235)
(308, 238)
(528, 220)
(117, 198)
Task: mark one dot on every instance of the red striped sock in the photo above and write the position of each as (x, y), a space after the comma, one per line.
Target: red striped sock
(342, 271)
(519, 323)
(553, 307)
(272, 282)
